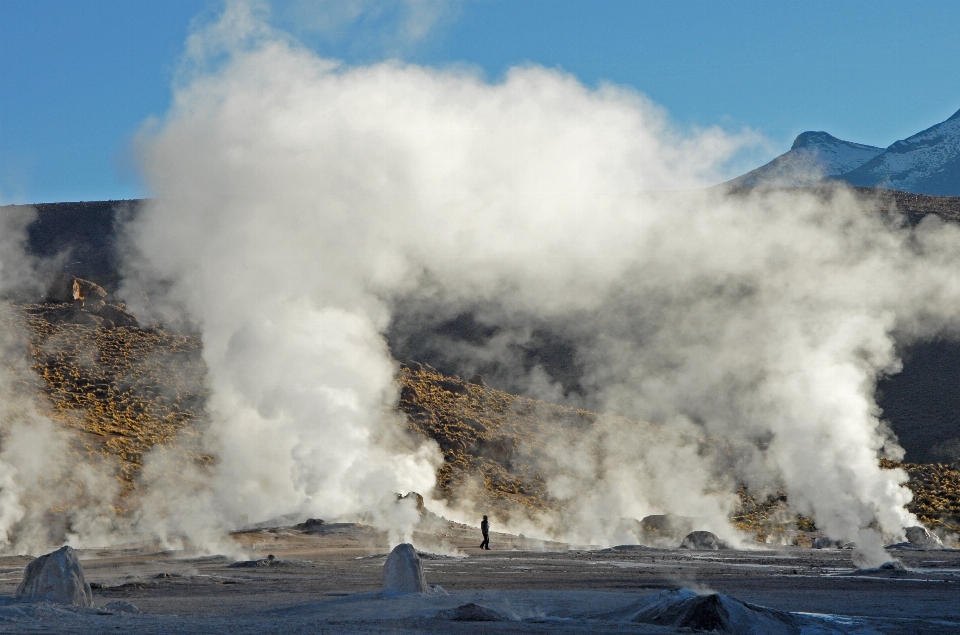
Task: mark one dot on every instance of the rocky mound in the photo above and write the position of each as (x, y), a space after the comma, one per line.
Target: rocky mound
(715, 613)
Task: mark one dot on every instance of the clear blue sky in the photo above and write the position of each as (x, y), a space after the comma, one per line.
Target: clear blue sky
(78, 77)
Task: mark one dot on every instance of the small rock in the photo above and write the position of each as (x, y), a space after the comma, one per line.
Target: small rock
(472, 613)
(703, 541)
(121, 607)
(88, 319)
(118, 315)
(56, 577)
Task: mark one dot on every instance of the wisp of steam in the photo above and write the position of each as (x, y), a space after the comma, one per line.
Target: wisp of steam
(301, 208)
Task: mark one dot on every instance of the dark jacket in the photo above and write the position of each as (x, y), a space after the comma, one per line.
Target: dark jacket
(484, 527)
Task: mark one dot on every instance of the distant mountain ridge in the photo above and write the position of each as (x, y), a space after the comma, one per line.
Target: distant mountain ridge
(925, 163)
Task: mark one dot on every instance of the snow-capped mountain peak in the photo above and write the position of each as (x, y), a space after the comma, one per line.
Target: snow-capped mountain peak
(813, 156)
(926, 163)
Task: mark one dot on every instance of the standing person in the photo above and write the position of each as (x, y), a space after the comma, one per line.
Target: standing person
(485, 530)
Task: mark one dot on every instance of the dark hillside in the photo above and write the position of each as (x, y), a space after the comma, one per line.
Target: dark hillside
(922, 402)
(85, 233)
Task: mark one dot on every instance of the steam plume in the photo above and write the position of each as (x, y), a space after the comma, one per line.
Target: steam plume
(301, 207)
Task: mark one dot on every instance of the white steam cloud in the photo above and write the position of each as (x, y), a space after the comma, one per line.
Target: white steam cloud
(302, 208)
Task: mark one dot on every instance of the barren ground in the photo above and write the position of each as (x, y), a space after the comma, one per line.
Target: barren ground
(327, 582)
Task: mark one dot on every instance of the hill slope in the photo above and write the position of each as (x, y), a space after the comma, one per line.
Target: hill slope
(920, 403)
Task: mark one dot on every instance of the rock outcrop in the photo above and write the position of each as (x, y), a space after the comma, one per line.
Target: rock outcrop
(56, 577)
(703, 541)
(92, 298)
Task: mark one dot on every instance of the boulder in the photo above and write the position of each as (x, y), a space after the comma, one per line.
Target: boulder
(119, 315)
(88, 319)
(477, 380)
(92, 298)
(472, 613)
(715, 613)
(56, 577)
(403, 572)
(86, 291)
(923, 537)
(122, 607)
(703, 541)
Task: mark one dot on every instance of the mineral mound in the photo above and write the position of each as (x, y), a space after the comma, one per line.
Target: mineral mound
(715, 613)
(56, 577)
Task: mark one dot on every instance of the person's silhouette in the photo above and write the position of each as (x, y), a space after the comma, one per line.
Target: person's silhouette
(485, 530)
